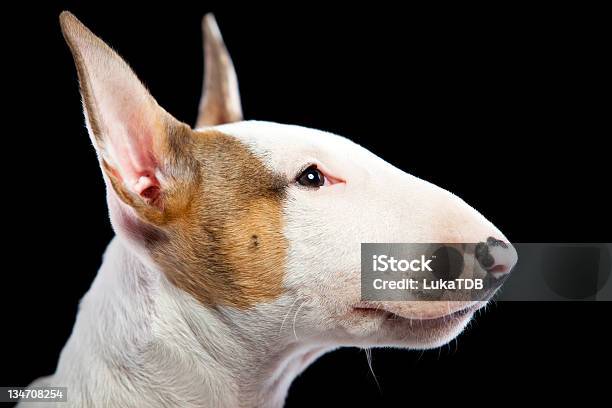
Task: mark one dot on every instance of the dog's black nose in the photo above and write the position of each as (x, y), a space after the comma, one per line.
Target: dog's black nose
(496, 257)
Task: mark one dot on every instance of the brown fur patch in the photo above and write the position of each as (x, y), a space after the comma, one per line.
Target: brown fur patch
(227, 246)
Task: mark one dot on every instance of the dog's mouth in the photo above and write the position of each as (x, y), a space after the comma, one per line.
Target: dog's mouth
(416, 322)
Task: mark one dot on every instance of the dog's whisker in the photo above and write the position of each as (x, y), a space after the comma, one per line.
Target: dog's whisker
(368, 353)
(287, 314)
(295, 317)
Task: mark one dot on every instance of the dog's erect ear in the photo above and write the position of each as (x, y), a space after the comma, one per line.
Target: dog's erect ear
(220, 102)
(136, 140)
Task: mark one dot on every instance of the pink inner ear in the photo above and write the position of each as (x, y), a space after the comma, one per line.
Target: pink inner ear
(131, 150)
(132, 128)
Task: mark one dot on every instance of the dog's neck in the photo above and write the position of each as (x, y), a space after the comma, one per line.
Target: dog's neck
(136, 332)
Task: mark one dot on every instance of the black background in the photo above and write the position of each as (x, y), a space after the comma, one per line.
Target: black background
(503, 107)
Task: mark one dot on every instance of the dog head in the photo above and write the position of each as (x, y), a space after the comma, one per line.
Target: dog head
(266, 219)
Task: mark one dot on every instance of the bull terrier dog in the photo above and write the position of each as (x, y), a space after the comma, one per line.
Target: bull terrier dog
(236, 261)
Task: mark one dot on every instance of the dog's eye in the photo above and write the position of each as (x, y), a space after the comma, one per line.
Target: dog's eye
(311, 177)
